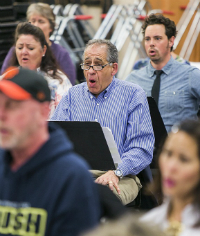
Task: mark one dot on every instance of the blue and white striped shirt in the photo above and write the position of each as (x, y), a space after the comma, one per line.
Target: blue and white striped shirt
(123, 108)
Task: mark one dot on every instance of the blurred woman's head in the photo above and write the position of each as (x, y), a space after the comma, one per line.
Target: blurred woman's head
(179, 164)
(41, 15)
(30, 45)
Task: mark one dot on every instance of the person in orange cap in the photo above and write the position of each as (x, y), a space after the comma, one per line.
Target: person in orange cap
(40, 175)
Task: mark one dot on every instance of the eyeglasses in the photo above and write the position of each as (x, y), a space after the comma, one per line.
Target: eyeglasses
(87, 67)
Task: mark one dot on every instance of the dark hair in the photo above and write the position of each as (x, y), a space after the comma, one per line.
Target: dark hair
(158, 19)
(192, 128)
(48, 62)
(112, 53)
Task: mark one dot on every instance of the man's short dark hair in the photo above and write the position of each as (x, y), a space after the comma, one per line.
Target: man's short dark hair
(158, 19)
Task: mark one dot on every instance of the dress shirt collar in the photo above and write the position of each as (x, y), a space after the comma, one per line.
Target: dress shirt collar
(166, 69)
(105, 93)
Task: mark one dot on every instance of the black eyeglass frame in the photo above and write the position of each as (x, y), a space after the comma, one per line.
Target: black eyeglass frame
(93, 66)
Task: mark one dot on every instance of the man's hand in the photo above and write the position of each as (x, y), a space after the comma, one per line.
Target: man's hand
(110, 179)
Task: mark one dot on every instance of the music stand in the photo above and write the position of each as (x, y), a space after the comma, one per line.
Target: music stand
(89, 142)
(158, 126)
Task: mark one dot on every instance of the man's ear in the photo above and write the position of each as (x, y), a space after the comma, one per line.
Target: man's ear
(114, 68)
(171, 41)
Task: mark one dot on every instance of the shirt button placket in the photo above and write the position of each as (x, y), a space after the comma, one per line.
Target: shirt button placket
(97, 107)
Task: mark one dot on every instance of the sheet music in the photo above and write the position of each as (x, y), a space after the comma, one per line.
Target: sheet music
(111, 145)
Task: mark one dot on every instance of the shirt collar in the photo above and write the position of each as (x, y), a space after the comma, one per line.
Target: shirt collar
(106, 92)
(166, 69)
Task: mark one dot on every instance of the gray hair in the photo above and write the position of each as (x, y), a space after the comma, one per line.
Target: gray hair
(112, 53)
(44, 10)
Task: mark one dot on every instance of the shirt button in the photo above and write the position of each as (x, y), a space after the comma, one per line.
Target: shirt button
(91, 97)
(105, 97)
(96, 120)
(174, 92)
(97, 104)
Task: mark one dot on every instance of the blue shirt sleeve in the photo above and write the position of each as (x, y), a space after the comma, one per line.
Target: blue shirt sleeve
(194, 83)
(140, 63)
(62, 111)
(139, 141)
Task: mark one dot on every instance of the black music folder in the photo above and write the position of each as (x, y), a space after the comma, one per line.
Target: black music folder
(89, 142)
(159, 129)
(157, 122)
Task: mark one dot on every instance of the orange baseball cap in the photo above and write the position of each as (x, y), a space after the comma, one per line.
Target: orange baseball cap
(23, 84)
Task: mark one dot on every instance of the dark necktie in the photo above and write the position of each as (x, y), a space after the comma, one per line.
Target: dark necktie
(156, 86)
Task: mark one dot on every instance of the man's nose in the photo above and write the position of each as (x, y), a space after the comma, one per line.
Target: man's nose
(152, 42)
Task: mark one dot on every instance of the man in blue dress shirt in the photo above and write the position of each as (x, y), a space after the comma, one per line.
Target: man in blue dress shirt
(179, 94)
(119, 105)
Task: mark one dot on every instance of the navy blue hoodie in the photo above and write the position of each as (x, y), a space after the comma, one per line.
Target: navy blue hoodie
(52, 194)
